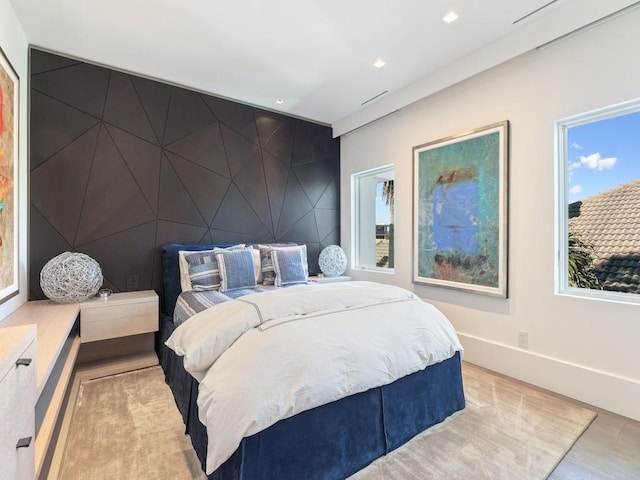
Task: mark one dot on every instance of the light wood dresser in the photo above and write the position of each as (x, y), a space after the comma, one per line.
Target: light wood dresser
(17, 402)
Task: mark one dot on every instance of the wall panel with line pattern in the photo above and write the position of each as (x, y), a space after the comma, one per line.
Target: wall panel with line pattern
(121, 165)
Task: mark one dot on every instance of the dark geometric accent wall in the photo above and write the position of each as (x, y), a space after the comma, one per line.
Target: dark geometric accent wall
(121, 165)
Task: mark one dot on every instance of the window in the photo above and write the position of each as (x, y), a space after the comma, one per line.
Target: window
(372, 227)
(598, 203)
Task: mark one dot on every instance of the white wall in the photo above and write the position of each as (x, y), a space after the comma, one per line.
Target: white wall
(586, 349)
(15, 46)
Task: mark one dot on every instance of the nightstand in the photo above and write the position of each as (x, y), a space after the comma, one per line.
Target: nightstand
(119, 330)
(319, 279)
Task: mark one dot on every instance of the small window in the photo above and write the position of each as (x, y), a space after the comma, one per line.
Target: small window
(373, 239)
(598, 157)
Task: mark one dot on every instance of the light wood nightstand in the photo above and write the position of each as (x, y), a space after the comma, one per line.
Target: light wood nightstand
(120, 330)
(323, 279)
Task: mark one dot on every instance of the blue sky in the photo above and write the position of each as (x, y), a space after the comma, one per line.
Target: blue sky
(382, 209)
(603, 155)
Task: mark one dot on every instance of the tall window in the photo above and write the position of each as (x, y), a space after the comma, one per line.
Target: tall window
(372, 203)
(599, 203)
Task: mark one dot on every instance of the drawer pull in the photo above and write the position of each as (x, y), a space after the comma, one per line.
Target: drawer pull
(24, 442)
(24, 361)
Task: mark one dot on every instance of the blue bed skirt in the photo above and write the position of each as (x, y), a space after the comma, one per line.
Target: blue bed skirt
(332, 441)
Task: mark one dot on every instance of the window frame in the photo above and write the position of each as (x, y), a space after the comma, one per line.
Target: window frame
(562, 161)
(356, 215)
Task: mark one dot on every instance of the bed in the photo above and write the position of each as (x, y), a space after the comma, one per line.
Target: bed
(329, 441)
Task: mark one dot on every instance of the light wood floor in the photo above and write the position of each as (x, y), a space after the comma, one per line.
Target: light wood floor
(608, 450)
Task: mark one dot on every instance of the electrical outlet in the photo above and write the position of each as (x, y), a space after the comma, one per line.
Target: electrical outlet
(133, 281)
(523, 339)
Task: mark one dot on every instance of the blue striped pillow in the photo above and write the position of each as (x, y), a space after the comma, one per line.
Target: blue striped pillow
(203, 271)
(268, 272)
(290, 265)
(236, 269)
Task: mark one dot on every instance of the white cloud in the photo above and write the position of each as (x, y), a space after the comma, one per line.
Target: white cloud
(575, 189)
(607, 163)
(574, 165)
(577, 146)
(596, 162)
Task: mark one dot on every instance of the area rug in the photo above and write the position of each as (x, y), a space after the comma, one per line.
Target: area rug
(508, 431)
(127, 427)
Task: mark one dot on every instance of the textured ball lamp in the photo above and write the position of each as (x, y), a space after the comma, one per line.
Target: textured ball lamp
(70, 278)
(332, 261)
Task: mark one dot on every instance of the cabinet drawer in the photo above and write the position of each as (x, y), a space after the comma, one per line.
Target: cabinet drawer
(26, 387)
(113, 321)
(26, 412)
(17, 391)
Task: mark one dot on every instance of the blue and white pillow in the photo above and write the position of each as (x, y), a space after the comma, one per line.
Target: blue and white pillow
(290, 265)
(202, 272)
(236, 269)
(266, 263)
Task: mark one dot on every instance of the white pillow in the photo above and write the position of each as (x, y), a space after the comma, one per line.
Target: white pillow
(256, 265)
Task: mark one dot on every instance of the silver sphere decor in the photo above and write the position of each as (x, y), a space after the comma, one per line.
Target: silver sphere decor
(70, 278)
(332, 261)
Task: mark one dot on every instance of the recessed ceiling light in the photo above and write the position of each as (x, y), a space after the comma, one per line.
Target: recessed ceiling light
(379, 63)
(280, 101)
(450, 17)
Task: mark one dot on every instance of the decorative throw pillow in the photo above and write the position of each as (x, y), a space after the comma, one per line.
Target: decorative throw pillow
(202, 267)
(266, 263)
(185, 283)
(289, 266)
(268, 272)
(236, 269)
(204, 273)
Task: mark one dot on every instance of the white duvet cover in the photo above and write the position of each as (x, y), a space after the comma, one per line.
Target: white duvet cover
(271, 355)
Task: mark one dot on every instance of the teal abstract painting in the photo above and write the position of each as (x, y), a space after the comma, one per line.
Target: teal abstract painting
(460, 194)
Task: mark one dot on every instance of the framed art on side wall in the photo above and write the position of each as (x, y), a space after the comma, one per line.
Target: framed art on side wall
(460, 211)
(9, 99)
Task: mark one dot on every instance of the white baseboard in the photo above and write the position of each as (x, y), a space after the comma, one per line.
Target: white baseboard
(601, 389)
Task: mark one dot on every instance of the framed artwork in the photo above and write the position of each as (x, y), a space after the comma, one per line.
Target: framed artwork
(9, 108)
(460, 211)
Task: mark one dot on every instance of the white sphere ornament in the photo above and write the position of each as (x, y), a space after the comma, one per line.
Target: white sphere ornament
(70, 278)
(332, 261)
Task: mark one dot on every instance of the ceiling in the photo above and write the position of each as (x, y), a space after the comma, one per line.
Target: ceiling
(315, 55)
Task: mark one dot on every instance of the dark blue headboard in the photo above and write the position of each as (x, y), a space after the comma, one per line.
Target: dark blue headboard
(171, 270)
